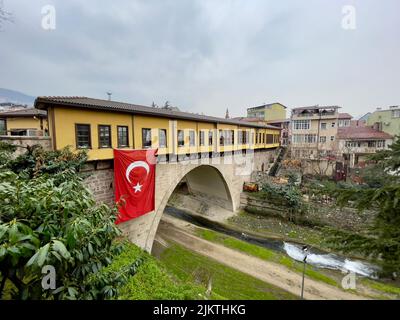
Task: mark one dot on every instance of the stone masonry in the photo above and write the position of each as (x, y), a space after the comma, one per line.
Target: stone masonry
(220, 179)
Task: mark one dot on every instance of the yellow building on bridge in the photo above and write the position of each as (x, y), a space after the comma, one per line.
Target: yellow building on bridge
(102, 125)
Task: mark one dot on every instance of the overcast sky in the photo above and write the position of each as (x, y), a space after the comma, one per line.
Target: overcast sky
(207, 55)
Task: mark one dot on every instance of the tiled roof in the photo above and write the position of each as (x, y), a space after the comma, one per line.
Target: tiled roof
(362, 133)
(109, 105)
(28, 112)
(343, 115)
(278, 121)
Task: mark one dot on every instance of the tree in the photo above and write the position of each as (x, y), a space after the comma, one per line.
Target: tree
(48, 217)
(380, 192)
(5, 16)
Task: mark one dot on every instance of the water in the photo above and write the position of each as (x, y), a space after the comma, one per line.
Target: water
(331, 261)
(315, 257)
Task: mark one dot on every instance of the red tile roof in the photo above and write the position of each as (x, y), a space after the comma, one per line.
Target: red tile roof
(362, 133)
(343, 115)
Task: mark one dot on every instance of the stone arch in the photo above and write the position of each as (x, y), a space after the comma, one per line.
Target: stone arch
(197, 175)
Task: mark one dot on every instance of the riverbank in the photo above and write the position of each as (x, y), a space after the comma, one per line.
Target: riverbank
(268, 271)
(368, 288)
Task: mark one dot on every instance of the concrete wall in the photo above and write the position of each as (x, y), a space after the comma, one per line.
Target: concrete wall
(218, 179)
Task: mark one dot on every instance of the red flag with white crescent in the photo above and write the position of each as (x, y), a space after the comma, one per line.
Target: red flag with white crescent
(134, 179)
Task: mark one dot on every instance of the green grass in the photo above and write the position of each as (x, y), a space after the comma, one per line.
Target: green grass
(265, 254)
(310, 271)
(152, 281)
(382, 287)
(233, 243)
(227, 283)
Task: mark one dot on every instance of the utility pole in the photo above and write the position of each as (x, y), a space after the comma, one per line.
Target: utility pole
(305, 249)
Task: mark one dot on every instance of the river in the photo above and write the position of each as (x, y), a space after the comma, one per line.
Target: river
(315, 257)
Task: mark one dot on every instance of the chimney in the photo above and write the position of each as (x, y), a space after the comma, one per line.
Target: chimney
(109, 96)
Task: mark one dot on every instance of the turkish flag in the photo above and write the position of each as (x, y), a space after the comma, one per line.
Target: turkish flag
(134, 179)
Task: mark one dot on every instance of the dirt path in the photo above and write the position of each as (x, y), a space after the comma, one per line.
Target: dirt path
(273, 273)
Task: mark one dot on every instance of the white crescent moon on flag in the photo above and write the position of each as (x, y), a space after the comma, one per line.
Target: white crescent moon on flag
(136, 164)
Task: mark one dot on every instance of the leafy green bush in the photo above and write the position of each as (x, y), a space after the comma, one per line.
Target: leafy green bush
(48, 217)
(287, 195)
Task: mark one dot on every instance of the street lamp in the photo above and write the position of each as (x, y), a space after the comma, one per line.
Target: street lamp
(305, 249)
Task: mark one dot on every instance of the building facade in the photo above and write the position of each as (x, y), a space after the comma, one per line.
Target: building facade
(313, 131)
(356, 143)
(386, 120)
(102, 125)
(284, 124)
(268, 112)
(24, 122)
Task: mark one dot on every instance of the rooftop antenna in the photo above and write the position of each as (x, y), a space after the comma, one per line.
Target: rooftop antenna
(109, 95)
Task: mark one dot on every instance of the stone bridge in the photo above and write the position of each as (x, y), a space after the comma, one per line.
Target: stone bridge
(219, 180)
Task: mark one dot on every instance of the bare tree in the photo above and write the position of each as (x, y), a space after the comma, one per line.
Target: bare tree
(5, 16)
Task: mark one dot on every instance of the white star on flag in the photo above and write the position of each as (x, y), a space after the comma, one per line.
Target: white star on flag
(138, 187)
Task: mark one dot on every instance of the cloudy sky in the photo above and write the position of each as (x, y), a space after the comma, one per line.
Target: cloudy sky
(207, 55)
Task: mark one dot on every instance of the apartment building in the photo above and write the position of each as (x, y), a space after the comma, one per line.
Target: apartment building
(313, 131)
(387, 120)
(268, 112)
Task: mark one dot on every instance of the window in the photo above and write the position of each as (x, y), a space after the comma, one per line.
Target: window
(332, 138)
(333, 124)
(146, 138)
(192, 140)
(181, 138)
(344, 123)
(244, 136)
(301, 124)
(232, 137)
(310, 138)
(3, 130)
(201, 138)
(122, 132)
(221, 138)
(380, 144)
(352, 144)
(270, 139)
(83, 139)
(162, 136)
(210, 138)
(322, 139)
(323, 126)
(104, 136)
(304, 138)
(396, 113)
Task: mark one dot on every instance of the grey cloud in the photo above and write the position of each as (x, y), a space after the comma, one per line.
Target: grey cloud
(205, 55)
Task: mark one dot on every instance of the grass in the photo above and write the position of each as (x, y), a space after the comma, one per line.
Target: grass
(227, 283)
(277, 227)
(233, 243)
(152, 281)
(265, 254)
(333, 279)
(382, 287)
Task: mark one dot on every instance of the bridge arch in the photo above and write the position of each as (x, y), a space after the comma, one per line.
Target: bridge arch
(206, 179)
